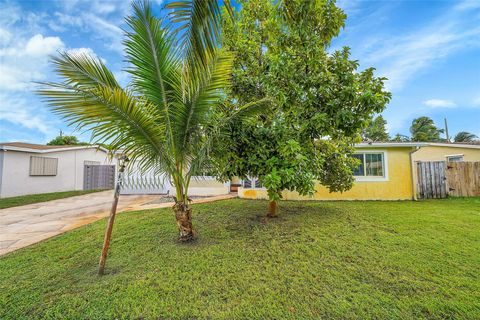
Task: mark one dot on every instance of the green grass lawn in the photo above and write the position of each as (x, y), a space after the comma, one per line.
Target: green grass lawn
(42, 197)
(331, 260)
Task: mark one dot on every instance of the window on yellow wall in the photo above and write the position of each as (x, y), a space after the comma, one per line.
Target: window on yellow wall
(455, 158)
(360, 170)
(371, 165)
(374, 164)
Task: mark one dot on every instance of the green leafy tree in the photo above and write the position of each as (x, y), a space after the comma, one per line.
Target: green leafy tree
(320, 101)
(62, 140)
(423, 129)
(167, 117)
(464, 136)
(376, 130)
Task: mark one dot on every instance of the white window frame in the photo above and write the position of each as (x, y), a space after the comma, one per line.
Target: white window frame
(455, 156)
(43, 166)
(385, 167)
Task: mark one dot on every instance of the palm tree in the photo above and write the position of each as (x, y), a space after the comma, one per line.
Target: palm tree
(423, 129)
(464, 136)
(167, 117)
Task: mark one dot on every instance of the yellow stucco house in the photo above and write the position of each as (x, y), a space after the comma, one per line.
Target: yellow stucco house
(387, 171)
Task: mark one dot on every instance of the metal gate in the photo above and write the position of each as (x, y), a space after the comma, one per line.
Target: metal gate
(144, 183)
(431, 180)
(98, 177)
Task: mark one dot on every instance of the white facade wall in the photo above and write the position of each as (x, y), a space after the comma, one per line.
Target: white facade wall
(206, 186)
(15, 173)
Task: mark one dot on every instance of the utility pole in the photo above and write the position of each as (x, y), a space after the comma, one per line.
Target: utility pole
(446, 130)
(108, 232)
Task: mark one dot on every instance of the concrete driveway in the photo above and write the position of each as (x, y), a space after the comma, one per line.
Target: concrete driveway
(25, 225)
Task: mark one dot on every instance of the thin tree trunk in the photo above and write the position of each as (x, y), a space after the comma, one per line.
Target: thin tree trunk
(111, 220)
(272, 209)
(183, 214)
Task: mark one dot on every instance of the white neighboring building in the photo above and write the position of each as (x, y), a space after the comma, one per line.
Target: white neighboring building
(206, 186)
(136, 182)
(31, 168)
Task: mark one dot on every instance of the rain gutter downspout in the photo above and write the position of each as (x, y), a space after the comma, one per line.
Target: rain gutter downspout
(412, 172)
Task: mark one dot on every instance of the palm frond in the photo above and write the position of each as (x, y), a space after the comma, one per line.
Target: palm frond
(464, 136)
(90, 98)
(202, 92)
(169, 118)
(155, 66)
(83, 70)
(198, 28)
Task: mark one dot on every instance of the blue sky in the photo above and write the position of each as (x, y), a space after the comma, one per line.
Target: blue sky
(429, 50)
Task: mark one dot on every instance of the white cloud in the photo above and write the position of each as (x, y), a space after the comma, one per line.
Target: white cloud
(86, 51)
(18, 112)
(467, 5)
(27, 42)
(42, 46)
(350, 7)
(106, 30)
(439, 103)
(104, 7)
(122, 77)
(61, 21)
(476, 102)
(9, 14)
(5, 37)
(415, 53)
(403, 57)
(26, 60)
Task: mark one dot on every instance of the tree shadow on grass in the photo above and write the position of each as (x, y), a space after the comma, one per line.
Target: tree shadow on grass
(251, 215)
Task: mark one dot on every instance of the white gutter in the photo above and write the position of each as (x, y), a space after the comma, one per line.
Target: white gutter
(391, 144)
(31, 150)
(413, 171)
(415, 144)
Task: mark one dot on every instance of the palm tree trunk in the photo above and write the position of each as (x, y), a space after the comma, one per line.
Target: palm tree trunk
(183, 214)
(272, 209)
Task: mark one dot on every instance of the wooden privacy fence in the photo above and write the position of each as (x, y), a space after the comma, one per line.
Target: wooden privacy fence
(463, 179)
(431, 180)
(98, 177)
(439, 179)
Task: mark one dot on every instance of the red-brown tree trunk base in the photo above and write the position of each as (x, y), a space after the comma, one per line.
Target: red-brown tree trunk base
(272, 209)
(183, 215)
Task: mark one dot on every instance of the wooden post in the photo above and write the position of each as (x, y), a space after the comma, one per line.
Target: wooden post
(446, 130)
(111, 219)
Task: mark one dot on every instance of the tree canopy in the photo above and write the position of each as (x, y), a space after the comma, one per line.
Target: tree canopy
(320, 100)
(401, 138)
(166, 118)
(376, 130)
(423, 129)
(464, 136)
(62, 140)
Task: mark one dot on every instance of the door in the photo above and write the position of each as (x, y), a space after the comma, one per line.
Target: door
(463, 179)
(97, 177)
(431, 180)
